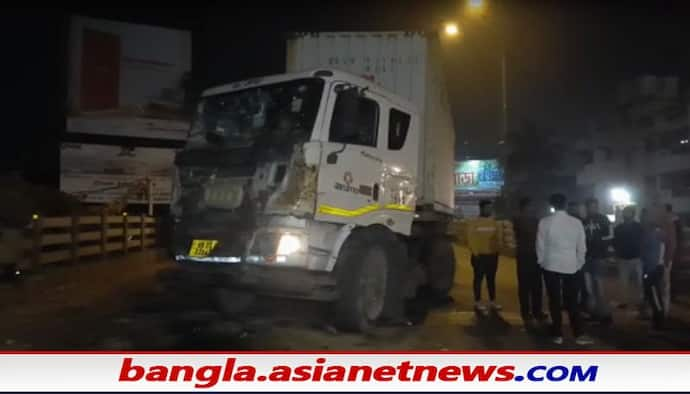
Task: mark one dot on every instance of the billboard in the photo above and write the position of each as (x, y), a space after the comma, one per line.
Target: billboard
(481, 177)
(105, 174)
(128, 80)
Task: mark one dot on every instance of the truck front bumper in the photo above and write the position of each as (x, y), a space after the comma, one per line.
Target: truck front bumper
(252, 257)
(266, 279)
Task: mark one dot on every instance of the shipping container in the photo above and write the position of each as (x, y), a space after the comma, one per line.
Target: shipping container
(405, 63)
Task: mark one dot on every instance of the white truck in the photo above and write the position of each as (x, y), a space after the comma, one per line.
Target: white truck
(332, 182)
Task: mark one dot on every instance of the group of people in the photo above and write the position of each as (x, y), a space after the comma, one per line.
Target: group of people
(566, 252)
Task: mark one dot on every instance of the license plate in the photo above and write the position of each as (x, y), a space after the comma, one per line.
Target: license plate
(202, 247)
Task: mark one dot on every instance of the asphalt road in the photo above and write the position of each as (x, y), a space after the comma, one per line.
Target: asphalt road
(141, 302)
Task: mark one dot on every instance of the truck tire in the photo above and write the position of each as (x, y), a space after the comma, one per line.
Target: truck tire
(440, 265)
(366, 269)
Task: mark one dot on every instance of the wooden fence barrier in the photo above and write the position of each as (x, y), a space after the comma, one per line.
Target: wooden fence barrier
(57, 239)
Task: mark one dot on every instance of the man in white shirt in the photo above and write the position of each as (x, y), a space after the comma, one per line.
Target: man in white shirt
(561, 250)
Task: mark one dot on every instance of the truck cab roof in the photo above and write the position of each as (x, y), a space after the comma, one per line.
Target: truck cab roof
(328, 75)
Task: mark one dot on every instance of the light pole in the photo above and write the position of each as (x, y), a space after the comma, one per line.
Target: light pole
(504, 97)
(477, 9)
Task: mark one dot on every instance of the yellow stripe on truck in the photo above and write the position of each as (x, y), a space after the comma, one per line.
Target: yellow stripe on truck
(399, 207)
(335, 211)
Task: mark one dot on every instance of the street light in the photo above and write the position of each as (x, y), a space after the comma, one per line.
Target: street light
(620, 196)
(476, 6)
(451, 29)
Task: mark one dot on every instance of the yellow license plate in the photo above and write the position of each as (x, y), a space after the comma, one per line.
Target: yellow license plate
(202, 247)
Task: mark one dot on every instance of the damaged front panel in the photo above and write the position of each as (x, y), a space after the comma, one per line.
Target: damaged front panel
(247, 160)
(296, 195)
(235, 201)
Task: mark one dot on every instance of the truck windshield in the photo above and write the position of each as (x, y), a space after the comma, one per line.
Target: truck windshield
(278, 114)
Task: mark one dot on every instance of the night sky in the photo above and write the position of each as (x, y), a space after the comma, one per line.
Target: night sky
(565, 59)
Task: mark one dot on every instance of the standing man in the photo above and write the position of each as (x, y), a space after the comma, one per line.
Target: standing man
(561, 252)
(484, 238)
(668, 223)
(627, 241)
(530, 291)
(574, 210)
(598, 233)
(652, 256)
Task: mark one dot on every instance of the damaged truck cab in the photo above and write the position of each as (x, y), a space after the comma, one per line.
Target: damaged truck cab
(305, 185)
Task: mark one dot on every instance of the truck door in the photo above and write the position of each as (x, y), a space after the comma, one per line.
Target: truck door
(400, 160)
(350, 172)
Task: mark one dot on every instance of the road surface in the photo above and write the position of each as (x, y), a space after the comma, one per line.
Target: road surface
(139, 302)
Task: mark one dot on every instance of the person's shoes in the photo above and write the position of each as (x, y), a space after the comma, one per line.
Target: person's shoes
(658, 325)
(480, 307)
(541, 318)
(657, 329)
(530, 323)
(589, 317)
(557, 340)
(584, 340)
(644, 314)
(495, 307)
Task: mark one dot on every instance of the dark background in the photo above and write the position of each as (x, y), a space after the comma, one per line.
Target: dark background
(565, 59)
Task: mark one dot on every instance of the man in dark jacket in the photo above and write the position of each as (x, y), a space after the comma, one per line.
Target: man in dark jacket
(530, 290)
(669, 223)
(652, 256)
(574, 210)
(598, 233)
(627, 240)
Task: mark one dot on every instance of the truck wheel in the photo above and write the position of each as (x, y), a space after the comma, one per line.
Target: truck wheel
(440, 266)
(364, 271)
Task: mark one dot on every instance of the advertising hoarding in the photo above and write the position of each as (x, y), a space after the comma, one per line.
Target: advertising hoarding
(478, 177)
(128, 80)
(104, 174)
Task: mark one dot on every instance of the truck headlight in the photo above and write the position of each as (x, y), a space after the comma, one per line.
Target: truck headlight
(288, 244)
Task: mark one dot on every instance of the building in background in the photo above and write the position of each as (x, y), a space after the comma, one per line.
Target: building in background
(643, 149)
(476, 180)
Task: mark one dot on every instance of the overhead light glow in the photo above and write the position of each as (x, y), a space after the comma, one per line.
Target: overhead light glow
(620, 196)
(476, 7)
(451, 29)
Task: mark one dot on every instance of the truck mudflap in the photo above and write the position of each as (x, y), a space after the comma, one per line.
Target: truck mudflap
(266, 279)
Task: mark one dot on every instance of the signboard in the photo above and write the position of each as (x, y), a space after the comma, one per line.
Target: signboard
(128, 80)
(104, 174)
(478, 177)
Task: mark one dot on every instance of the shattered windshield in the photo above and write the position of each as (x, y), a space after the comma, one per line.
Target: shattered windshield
(272, 115)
